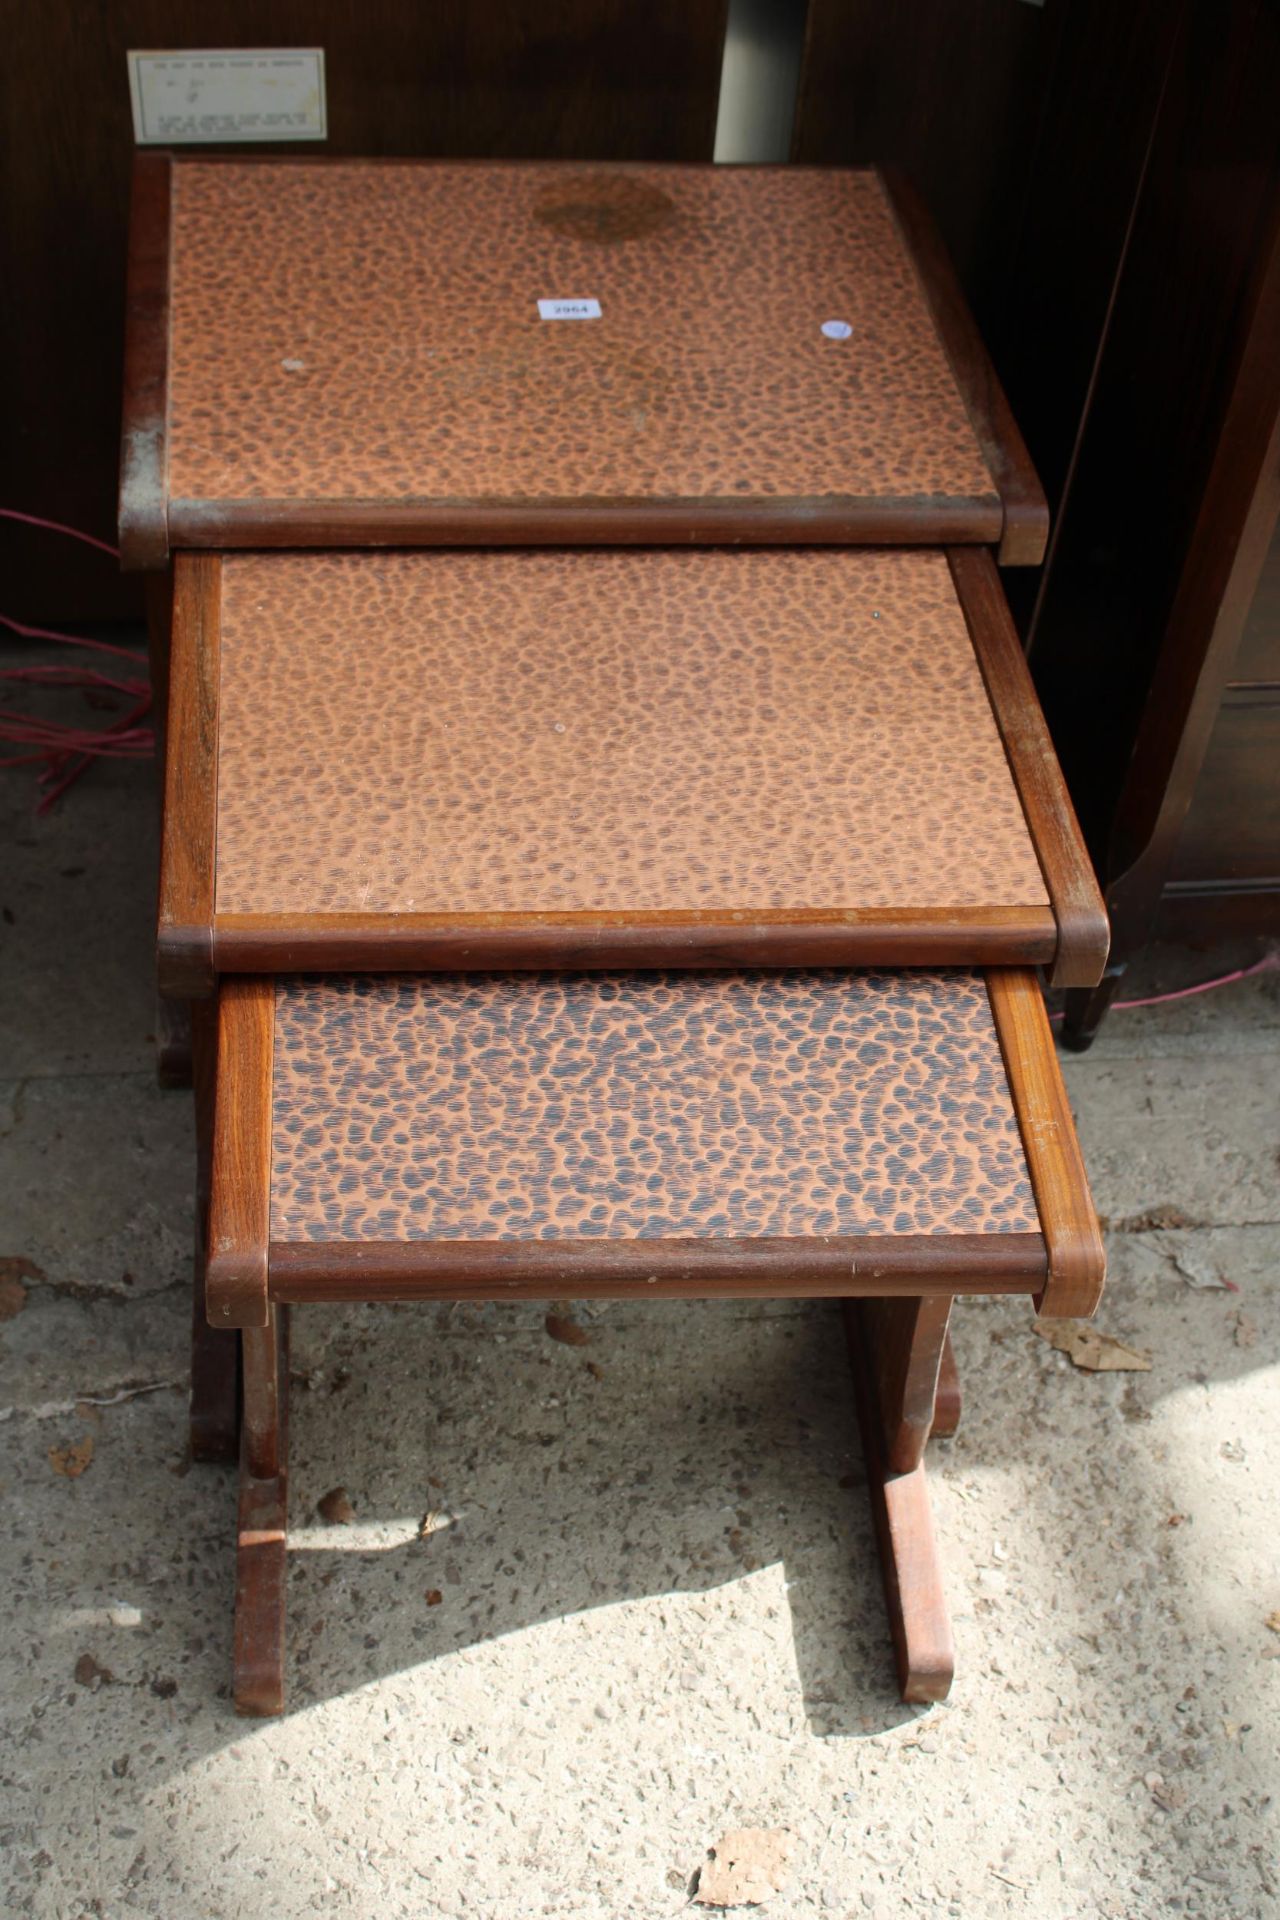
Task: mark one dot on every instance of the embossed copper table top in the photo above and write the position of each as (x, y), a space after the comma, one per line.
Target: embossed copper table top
(717, 733)
(654, 1106)
(369, 336)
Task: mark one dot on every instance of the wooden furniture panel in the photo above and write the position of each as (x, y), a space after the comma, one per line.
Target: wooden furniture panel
(1179, 449)
(1231, 834)
(582, 79)
(1201, 232)
(1257, 661)
(1072, 125)
(601, 759)
(774, 358)
(1224, 557)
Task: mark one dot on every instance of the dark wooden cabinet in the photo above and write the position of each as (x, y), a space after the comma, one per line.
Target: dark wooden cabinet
(1108, 180)
(1154, 636)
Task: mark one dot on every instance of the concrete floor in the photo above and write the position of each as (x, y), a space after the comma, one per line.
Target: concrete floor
(648, 1610)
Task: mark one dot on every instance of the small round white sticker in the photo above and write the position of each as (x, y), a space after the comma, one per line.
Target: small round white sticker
(837, 329)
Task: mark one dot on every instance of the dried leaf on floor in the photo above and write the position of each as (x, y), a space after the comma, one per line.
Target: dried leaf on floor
(433, 1596)
(563, 1327)
(1272, 1621)
(1154, 1218)
(71, 1461)
(16, 1266)
(335, 1509)
(745, 1867)
(14, 1269)
(88, 1673)
(1246, 1331)
(1090, 1350)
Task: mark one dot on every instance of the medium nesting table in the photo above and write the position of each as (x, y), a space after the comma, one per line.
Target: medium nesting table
(656, 758)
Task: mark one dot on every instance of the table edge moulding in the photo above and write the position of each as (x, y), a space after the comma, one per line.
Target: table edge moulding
(198, 943)
(1013, 519)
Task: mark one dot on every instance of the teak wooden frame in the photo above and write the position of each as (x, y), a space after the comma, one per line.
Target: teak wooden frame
(897, 1293)
(197, 944)
(1062, 1264)
(152, 524)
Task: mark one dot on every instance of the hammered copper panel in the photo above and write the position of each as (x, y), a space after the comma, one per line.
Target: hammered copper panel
(602, 731)
(642, 1106)
(363, 333)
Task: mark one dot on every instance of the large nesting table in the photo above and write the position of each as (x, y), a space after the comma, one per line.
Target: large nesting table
(346, 353)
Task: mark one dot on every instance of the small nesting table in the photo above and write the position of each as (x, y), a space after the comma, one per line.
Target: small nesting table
(891, 1139)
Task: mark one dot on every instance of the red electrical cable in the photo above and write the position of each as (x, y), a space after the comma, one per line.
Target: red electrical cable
(66, 749)
(25, 632)
(1267, 964)
(58, 526)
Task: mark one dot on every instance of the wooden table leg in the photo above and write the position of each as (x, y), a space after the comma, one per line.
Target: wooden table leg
(948, 1400)
(895, 1349)
(174, 1064)
(214, 1359)
(263, 1517)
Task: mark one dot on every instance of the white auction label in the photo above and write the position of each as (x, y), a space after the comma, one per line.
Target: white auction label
(185, 97)
(837, 329)
(569, 310)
